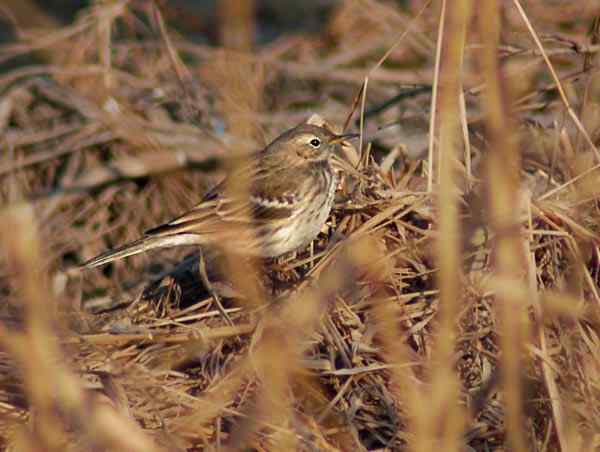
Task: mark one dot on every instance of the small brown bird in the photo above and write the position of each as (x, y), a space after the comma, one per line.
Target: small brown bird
(291, 189)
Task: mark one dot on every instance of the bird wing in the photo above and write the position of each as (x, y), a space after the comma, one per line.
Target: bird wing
(267, 201)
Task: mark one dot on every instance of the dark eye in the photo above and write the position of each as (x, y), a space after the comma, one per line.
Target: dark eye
(315, 142)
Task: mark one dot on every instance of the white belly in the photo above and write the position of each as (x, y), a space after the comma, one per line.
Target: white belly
(303, 228)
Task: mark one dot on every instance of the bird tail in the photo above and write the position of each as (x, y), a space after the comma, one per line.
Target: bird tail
(129, 249)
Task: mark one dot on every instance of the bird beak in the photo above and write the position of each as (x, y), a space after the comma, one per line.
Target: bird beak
(339, 138)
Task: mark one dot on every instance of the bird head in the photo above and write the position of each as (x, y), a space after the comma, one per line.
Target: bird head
(309, 143)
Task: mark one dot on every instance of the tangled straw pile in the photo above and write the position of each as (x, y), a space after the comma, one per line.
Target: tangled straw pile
(451, 301)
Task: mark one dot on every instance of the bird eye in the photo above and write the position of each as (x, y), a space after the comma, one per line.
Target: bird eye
(315, 142)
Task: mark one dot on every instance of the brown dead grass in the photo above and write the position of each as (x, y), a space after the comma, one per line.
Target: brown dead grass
(452, 301)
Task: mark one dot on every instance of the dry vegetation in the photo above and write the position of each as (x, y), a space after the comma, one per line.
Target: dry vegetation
(451, 303)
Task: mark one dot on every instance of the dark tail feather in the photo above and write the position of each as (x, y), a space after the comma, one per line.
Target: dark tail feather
(129, 249)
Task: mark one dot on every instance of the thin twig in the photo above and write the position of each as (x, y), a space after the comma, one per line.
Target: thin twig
(561, 91)
(434, 94)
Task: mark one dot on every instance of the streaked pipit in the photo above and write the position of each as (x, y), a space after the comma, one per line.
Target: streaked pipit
(291, 190)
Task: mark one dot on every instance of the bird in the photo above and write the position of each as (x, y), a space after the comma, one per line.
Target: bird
(291, 187)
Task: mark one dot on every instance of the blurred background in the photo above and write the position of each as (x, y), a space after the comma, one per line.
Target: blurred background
(196, 19)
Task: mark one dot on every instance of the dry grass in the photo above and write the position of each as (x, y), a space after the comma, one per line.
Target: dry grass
(452, 301)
